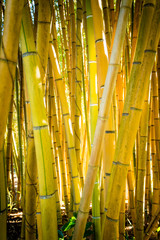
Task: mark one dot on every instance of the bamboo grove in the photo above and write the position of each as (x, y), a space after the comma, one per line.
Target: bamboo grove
(79, 116)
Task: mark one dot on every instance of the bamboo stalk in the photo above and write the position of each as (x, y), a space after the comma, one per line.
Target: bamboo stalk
(142, 171)
(8, 56)
(40, 126)
(103, 115)
(68, 127)
(131, 119)
(43, 35)
(151, 227)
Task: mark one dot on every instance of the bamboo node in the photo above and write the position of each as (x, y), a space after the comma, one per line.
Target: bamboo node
(102, 118)
(110, 131)
(26, 54)
(47, 196)
(30, 214)
(2, 211)
(125, 6)
(137, 63)
(137, 109)
(121, 164)
(58, 79)
(93, 166)
(92, 62)
(7, 60)
(149, 5)
(150, 50)
(125, 114)
(114, 64)
(83, 211)
(93, 104)
(96, 217)
(107, 174)
(70, 148)
(76, 204)
(75, 176)
(99, 40)
(43, 22)
(112, 219)
(40, 127)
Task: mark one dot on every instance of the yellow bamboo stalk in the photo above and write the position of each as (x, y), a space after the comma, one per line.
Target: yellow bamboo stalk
(122, 218)
(131, 188)
(156, 114)
(54, 31)
(31, 190)
(158, 71)
(142, 171)
(101, 48)
(103, 115)
(40, 126)
(43, 35)
(131, 121)
(78, 87)
(155, 198)
(73, 61)
(58, 142)
(8, 56)
(148, 176)
(108, 33)
(93, 116)
(68, 127)
(136, 23)
(31, 178)
(35, 20)
(66, 43)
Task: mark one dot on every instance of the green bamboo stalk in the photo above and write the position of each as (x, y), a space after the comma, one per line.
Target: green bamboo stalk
(32, 69)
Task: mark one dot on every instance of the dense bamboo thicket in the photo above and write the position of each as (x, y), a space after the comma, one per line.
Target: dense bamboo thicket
(79, 119)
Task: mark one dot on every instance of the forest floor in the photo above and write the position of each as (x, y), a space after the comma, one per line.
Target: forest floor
(14, 222)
